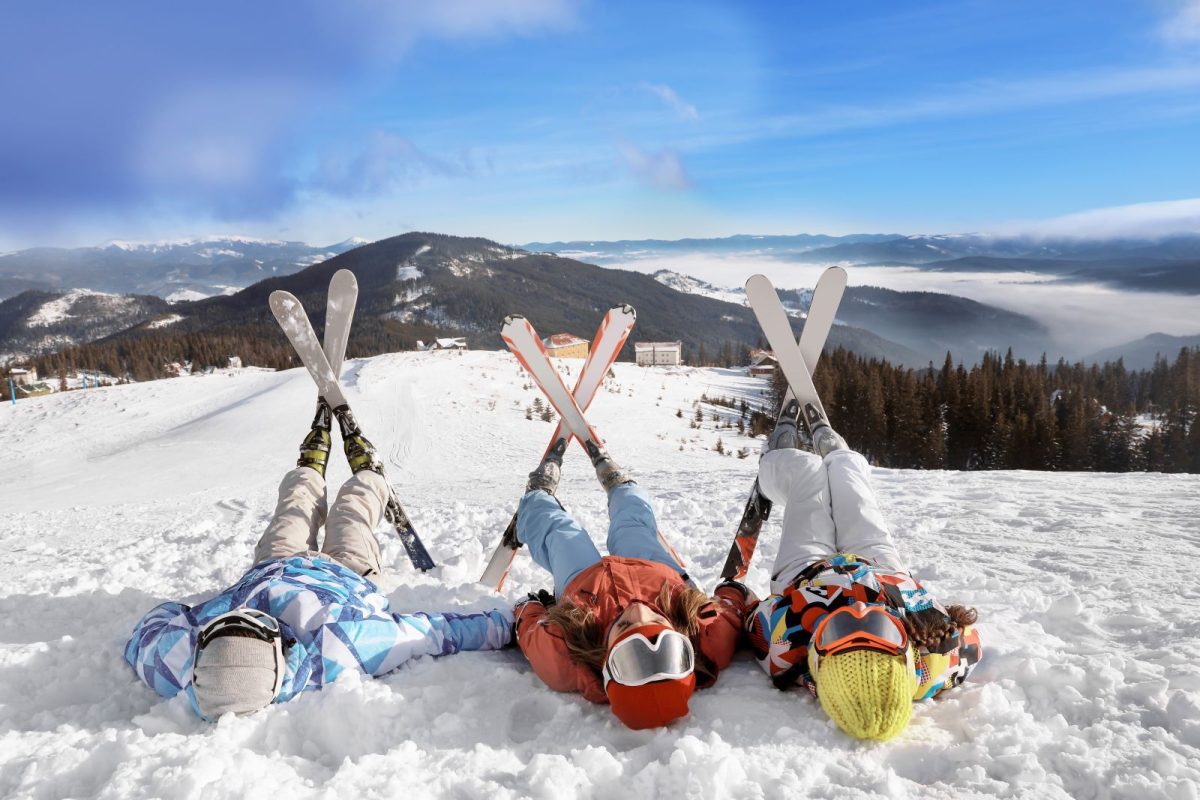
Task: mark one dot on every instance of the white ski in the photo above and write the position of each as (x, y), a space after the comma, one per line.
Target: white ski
(339, 315)
(777, 327)
(827, 296)
(527, 346)
(606, 345)
(290, 315)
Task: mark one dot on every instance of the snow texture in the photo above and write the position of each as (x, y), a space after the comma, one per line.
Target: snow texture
(163, 322)
(59, 309)
(119, 498)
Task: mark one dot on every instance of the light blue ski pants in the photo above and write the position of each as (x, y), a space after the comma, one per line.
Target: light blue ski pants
(559, 543)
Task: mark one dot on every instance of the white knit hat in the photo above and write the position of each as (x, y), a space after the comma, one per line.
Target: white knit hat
(234, 673)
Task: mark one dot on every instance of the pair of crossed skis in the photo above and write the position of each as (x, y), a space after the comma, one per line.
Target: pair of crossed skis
(796, 360)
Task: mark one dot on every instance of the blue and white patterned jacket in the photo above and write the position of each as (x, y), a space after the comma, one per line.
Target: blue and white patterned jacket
(332, 620)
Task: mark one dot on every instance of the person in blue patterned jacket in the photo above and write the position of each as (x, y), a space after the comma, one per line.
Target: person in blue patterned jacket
(301, 616)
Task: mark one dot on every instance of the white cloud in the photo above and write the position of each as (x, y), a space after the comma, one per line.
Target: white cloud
(971, 99)
(379, 164)
(663, 169)
(1148, 220)
(1184, 24)
(671, 98)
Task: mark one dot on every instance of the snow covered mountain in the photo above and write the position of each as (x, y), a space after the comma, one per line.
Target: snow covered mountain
(421, 285)
(34, 323)
(121, 498)
(180, 270)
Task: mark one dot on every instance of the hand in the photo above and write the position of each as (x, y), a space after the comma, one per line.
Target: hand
(545, 598)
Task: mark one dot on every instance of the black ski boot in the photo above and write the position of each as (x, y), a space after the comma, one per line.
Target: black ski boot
(314, 450)
(545, 478)
(360, 453)
(608, 472)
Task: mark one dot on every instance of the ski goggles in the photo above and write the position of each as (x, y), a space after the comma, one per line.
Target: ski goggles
(259, 624)
(636, 661)
(859, 627)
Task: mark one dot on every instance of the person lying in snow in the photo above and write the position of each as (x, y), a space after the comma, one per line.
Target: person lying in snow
(300, 616)
(844, 616)
(628, 629)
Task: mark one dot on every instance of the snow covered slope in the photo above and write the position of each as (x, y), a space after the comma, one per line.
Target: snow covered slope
(117, 499)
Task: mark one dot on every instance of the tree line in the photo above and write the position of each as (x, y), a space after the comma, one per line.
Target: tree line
(1005, 413)
(1002, 413)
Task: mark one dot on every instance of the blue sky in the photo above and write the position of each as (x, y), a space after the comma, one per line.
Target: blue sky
(555, 119)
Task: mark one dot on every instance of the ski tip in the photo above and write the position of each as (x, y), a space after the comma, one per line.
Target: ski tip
(344, 277)
(628, 309)
(759, 278)
(284, 301)
(510, 319)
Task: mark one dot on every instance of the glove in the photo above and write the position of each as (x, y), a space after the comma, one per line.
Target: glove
(545, 598)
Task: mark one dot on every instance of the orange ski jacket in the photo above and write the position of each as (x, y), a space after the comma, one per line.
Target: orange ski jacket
(608, 588)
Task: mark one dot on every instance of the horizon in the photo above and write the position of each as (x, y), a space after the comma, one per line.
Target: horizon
(555, 120)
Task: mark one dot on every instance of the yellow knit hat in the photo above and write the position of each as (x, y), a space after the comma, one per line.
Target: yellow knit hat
(867, 693)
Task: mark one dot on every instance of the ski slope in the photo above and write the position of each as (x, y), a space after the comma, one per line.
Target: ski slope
(119, 498)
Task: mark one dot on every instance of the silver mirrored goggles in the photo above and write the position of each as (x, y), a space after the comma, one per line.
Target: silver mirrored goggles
(259, 624)
(635, 660)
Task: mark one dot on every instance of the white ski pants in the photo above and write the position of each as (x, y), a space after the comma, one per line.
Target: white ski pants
(349, 529)
(830, 508)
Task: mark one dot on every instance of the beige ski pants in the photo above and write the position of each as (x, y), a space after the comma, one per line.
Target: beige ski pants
(349, 529)
(830, 508)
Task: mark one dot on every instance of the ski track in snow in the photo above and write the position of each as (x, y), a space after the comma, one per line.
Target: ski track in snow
(120, 498)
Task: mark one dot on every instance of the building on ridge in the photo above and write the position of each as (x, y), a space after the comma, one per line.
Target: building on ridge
(658, 354)
(566, 345)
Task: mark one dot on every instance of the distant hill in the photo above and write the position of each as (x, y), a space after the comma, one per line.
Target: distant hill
(1140, 354)
(184, 269)
(34, 323)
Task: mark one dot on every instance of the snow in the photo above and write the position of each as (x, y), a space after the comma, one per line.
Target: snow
(405, 272)
(185, 295)
(59, 309)
(119, 498)
(163, 322)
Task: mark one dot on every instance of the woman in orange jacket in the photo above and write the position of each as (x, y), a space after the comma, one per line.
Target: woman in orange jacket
(628, 629)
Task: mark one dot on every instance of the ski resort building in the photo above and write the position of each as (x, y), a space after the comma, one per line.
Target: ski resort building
(23, 376)
(658, 354)
(566, 345)
(762, 363)
(450, 343)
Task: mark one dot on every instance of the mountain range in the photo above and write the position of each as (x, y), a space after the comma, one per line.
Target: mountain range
(422, 285)
(183, 270)
(1170, 264)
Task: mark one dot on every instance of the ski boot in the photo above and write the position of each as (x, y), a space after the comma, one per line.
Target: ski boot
(360, 453)
(314, 450)
(785, 435)
(608, 472)
(824, 438)
(545, 478)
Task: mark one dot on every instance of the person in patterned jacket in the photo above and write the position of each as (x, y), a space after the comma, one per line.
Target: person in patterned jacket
(628, 629)
(845, 617)
(301, 616)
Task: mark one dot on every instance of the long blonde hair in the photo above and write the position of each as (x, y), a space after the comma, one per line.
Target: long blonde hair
(584, 635)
